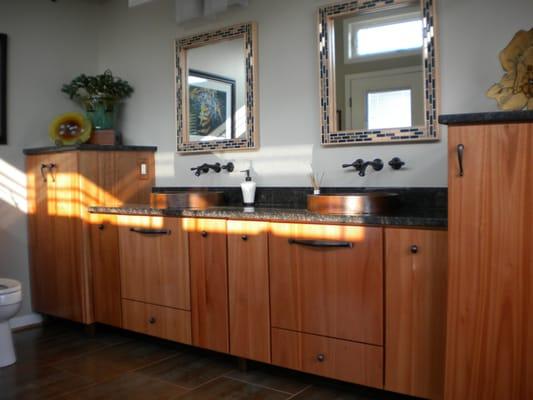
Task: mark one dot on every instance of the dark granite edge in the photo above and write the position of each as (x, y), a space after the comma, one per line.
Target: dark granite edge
(87, 147)
(281, 215)
(487, 117)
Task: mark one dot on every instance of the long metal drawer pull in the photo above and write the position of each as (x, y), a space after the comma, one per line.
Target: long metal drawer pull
(320, 243)
(144, 231)
(460, 154)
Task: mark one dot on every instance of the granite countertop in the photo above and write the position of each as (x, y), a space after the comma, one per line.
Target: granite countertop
(418, 218)
(87, 147)
(487, 117)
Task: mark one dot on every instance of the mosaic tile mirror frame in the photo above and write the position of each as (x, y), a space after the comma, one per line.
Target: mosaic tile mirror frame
(425, 128)
(247, 120)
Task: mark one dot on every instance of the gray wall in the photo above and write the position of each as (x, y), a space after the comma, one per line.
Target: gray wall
(49, 43)
(137, 44)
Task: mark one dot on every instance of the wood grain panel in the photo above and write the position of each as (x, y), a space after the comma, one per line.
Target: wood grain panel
(154, 268)
(330, 291)
(163, 322)
(249, 290)
(333, 358)
(489, 352)
(415, 311)
(105, 265)
(128, 185)
(209, 284)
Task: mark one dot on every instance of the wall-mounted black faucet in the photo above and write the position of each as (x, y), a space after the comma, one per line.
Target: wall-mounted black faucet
(360, 165)
(204, 168)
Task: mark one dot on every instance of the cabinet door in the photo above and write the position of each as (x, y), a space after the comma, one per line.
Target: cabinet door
(489, 343)
(154, 261)
(416, 266)
(327, 280)
(59, 278)
(248, 290)
(209, 283)
(105, 264)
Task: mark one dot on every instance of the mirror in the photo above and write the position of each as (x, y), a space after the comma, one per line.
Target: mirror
(377, 72)
(216, 90)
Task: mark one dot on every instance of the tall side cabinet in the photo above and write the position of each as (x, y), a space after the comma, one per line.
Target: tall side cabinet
(489, 352)
(62, 183)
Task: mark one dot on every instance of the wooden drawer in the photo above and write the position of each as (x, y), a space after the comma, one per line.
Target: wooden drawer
(327, 280)
(333, 358)
(163, 322)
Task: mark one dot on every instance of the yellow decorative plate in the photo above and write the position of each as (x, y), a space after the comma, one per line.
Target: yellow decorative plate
(70, 128)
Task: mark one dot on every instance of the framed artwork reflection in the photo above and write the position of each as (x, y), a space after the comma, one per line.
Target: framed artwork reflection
(211, 106)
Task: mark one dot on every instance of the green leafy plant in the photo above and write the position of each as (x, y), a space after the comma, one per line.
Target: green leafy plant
(99, 88)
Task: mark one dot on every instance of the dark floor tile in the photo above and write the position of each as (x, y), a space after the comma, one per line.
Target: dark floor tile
(190, 369)
(272, 377)
(129, 386)
(342, 391)
(226, 389)
(31, 381)
(114, 360)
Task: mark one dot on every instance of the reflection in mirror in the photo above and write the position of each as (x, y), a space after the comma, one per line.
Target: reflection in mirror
(216, 87)
(216, 90)
(378, 73)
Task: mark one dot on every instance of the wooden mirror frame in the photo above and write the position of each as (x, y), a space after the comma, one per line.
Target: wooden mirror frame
(247, 31)
(328, 114)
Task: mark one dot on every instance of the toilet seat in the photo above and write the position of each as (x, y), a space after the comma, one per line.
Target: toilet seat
(8, 286)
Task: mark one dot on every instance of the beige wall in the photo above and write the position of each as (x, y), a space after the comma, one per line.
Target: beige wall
(49, 43)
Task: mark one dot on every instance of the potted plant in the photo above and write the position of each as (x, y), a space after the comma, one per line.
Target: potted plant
(100, 96)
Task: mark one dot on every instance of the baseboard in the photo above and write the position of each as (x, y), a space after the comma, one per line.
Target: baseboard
(25, 321)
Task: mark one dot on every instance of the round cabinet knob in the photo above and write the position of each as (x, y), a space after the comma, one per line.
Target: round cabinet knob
(204, 234)
(151, 320)
(320, 357)
(101, 227)
(414, 249)
(244, 237)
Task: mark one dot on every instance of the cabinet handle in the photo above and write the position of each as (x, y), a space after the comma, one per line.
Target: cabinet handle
(320, 243)
(101, 227)
(204, 234)
(320, 357)
(144, 231)
(51, 168)
(460, 154)
(244, 237)
(43, 174)
(151, 320)
(414, 249)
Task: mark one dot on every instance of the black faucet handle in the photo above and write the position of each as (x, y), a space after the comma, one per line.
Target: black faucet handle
(356, 164)
(396, 163)
(229, 167)
(216, 167)
(377, 164)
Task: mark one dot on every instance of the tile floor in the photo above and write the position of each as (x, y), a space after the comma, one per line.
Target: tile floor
(61, 361)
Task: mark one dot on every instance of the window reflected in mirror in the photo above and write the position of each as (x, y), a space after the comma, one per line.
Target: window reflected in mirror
(377, 72)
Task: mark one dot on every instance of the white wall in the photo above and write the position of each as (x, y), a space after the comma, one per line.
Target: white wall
(137, 44)
(49, 43)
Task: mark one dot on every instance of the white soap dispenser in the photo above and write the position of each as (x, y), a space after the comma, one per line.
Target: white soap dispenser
(248, 189)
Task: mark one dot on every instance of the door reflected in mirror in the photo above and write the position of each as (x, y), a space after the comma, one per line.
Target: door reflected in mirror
(377, 64)
(378, 70)
(217, 91)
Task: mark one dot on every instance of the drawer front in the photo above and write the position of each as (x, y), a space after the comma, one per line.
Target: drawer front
(163, 322)
(328, 280)
(332, 358)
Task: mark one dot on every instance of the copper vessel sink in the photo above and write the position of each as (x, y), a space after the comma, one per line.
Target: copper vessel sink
(352, 203)
(191, 199)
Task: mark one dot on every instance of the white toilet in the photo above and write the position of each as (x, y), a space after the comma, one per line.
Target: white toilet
(10, 301)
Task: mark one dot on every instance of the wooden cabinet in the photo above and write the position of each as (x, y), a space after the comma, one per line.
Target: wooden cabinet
(489, 350)
(154, 261)
(248, 282)
(334, 358)
(105, 267)
(416, 267)
(328, 280)
(209, 283)
(163, 322)
(61, 185)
